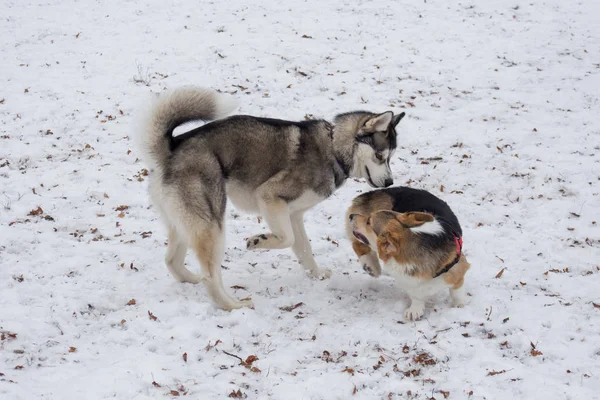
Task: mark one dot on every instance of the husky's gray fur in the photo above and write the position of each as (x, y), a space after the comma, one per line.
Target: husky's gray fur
(276, 168)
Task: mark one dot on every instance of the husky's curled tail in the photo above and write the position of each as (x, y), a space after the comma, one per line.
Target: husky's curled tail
(173, 108)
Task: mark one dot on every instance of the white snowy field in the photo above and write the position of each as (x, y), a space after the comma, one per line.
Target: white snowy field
(502, 103)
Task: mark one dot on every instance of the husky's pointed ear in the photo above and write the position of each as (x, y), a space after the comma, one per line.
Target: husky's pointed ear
(397, 119)
(379, 123)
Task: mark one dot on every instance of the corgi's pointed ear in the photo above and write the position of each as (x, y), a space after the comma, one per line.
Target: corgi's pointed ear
(414, 219)
(386, 246)
(379, 123)
(397, 118)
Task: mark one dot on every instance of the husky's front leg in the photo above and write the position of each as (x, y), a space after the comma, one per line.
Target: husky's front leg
(302, 249)
(277, 217)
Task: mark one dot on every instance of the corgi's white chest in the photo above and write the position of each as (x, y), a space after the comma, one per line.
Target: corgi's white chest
(414, 286)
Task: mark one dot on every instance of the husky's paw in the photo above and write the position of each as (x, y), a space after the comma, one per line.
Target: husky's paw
(261, 241)
(370, 264)
(374, 272)
(414, 312)
(320, 273)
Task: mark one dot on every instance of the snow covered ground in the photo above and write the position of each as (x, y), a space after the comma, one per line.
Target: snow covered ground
(502, 122)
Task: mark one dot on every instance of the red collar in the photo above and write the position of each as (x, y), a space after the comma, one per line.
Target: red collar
(459, 243)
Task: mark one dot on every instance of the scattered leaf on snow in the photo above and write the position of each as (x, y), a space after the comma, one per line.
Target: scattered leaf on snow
(37, 211)
(122, 208)
(425, 359)
(184, 357)
(236, 394)
(534, 351)
(156, 384)
(152, 316)
(131, 302)
(499, 274)
(72, 349)
(249, 360)
(349, 370)
(492, 372)
(291, 308)
(596, 305)
(174, 393)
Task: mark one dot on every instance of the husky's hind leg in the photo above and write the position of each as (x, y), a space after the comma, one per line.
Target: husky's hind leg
(208, 243)
(175, 259)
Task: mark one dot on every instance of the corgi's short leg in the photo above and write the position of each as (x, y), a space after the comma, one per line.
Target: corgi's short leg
(458, 296)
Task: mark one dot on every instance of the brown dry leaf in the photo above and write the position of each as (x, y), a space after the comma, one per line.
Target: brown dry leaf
(255, 370)
(354, 391)
(499, 274)
(442, 188)
(445, 394)
(349, 370)
(306, 37)
(156, 384)
(238, 287)
(121, 214)
(19, 367)
(492, 372)
(174, 393)
(595, 305)
(131, 302)
(185, 357)
(534, 351)
(122, 208)
(425, 359)
(37, 211)
(291, 308)
(236, 394)
(72, 349)
(249, 360)
(152, 316)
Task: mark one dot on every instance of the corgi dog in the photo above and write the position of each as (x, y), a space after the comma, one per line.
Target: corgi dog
(417, 237)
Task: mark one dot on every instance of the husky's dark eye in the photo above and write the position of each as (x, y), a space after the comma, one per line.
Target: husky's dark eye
(379, 156)
(368, 221)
